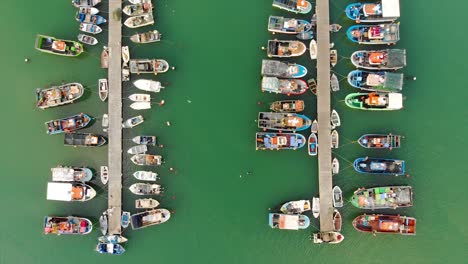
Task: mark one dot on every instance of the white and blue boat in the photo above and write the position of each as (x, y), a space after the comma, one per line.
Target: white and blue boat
(85, 3)
(282, 69)
(295, 6)
(374, 34)
(110, 248)
(376, 81)
(288, 221)
(113, 239)
(91, 19)
(389, 59)
(283, 121)
(383, 11)
(125, 221)
(277, 141)
(285, 25)
(380, 166)
(67, 124)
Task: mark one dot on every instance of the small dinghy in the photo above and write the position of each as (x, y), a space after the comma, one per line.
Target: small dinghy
(145, 140)
(140, 105)
(145, 175)
(140, 97)
(110, 248)
(148, 85)
(313, 49)
(103, 89)
(125, 54)
(296, 207)
(314, 127)
(334, 83)
(146, 37)
(104, 174)
(139, 2)
(85, 3)
(328, 238)
(335, 119)
(335, 28)
(305, 35)
(103, 223)
(90, 19)
(335, 166)
(337, 221)
(132, 122)
(337, 197)
(312, 85)
(113, 239)
(313, 146)
(125, 221)
(333, 57)
(285, 48)
(105, 122)
(287, 106)
(146, 189)
(104, 58)
(146, 160)
(87, 39)
(149, 218)
(316, 207)
(88, 10)
(334, 139)
(90, 28)
(139, 149)
(147, 203)
(139, 21)
(138, 9)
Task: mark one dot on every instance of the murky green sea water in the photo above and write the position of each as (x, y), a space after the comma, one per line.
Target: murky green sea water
(211, 101)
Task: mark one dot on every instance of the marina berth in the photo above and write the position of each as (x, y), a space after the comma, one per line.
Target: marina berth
(279, 141)
(285, 48)
(376, 81)
(84, 140)
(139, 21)
(146, 175)
(382, 11)
(146, 160)
(284, 86)
(145, 140)
(67, 48)
(58, 95)
(69, 192)
(391, 197)
(150, 218)
(295, 6)
(146, 37)
(282, 69)
(386, 224)
(87, 39)
(296, 207)
(90, 28)
(138, 9)
(67, 124)
(380, 141)
(306, 35)
(380, 166)
(88, 10)
(110, 248)
(147, 203)
(389, 59)
(68, 225)
(71, 174)
(91, 19)
(328, 237)
(283, 121)
(288, 222)
(148, 85)
(148, 66)
(278, 24)
(85, 3)
(375, 34)
(375, 101)
(287, 106)
(312, 145)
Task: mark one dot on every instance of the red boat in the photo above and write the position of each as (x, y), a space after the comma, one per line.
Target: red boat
(390, 224)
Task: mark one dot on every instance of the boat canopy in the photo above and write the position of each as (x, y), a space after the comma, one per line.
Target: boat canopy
(395, 100)
(396, 58)
(59, 191)
(63, 174)
(270, 84)
(390, 8)
(274, 68)
(289, 222)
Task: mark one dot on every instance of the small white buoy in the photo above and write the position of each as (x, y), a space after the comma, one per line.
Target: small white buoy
(173, 68)
(189, 101)
(162, 103)
(414, 78)
(168, 123)
(26, 60)
(263, 48)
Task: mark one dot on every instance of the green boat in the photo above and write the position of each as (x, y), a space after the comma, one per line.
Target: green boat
(375, 101)
(68, 48)
(387, 197)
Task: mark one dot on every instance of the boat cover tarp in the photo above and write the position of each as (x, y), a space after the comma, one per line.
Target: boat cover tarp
(75, 139)
(393, 80)
(390, 8)
(270, 84)
(404, 196)
(274, 68)
(59, 191)
(395, 101)
(290, 222)
(275, 23)
(63, 174)
(396, 58)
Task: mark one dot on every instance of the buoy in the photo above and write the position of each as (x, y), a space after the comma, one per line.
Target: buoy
(161, 146)
(263, 48)
(26, 60)
(168, 123)
(173, 197)
(173, 68)
(259, 103)
(162, 103)
(171, 169)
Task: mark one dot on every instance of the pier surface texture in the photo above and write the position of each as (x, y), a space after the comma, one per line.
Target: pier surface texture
(115, 118)
(323, 115)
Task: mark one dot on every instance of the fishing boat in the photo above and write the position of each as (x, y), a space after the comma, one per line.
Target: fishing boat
(138, 2)
(133, 122)
(67, 124)
(84, 140)
(104, 174)
(91, 19)
(288, 221)
(334, 83)
(295, 6)
(375, 34)
(337, 197)
(296, 207)
(380, 166)
(287, 106)
(146, 189)
(284, 86)
(335, 28)
(282, 69)
(139, 149)
(307, 35)
(313, 49)
(312, 86)
(376, 81)
(150, 218)
(69, 192)
(110, 248)
(148, 66)
(139, 21)
(68, 225)
(146, 37)
(147, 203)
(283, 121)
(113, 239)
(148, 85)
(328, 237)
(313, 146)
(68, 48)
(279, 141)
(105, 122)
(375, 101)
(391, 197)
(335, 119)
(104, 223)
(90, 28)
(140, 105)
(314, 127)
(278, 24)
(125, 54)
(85, 3)
(145, 140)
(103, 89)
(386, 224)
(140, 97)
(87, 39)
(389, 59)
(147, 160)
(145, 175)
(335, 139)
(285, 48)
(125, 220)
(333, 57)
(335, 166)
(105, 58)
(71, 174)
(138, 9)
(337, 221)
(316, 207)
(89, 10)
(382, 11)
(380, 141)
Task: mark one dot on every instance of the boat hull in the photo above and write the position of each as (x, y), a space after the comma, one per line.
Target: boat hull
(380, 141)
(70, 225)
(284, 86)
(312, 145)
(84, 140)
(385, 224)
(389, 59)
(283, 121)
(285, 48)
(288, 222)
(68, 124)
(51, 45)
(387, 197)
(376, 81)
(296, 207)
(380, 166)
(294, 6)
(374, 34)
(150, 218)
(279, 141)
(355, 11)
(383, 101)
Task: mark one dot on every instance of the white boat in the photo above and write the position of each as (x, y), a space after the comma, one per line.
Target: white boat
(105, 121)
(104, 174)
(85, 3)
(337, 197)
(103, 223)
(125, 54)
(335, 119)
(296, 207)
(149, 218)
(334, 83)
(139, 21)
(333, 57)
(328, 237)
(148, 85)
(87, 39)
(137, 2)
(145, 175)
(138, 9)
(71, 174)
(146, 37)
(335, 166)
(140, 97)
(316, 207)
(137, 149)
(146, 160)
(145, 140)
(314, 127)
(90, 28)
(113, 239)
(69, 192)
(132, 122)
(88, 10)
(103, 89)
(146, 189)
(337, 221)
(313, 49)
(334, 139)
(140, 105)
(147, 203)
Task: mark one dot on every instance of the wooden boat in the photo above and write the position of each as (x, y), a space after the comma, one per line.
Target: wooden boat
(375, 34)
(71, 174)
(67, 124)
(67, 48)
(288, 221)
(125, 54)
(104, 174)
(70, 192)
(138, 9)
(334, 139)
(140, 97)
(314, 127)
(312, 85)
(316, 207)
(287, 106)
(90, 28)
(105, 58)
(375, 101)
(335, 119)
(313, 49)
(145, 140)
(147, 203)
(284, 86)
(125, 220)
(67, 225)
(335, 166)
(150, 218)
(307, 35)
(295, 6)
(87, 39)
(145, 175)
(380, 166)
(279, 141)
(140, 105)
(328, 238)
(334, 83)
(382, 11)
(337, 197)
(376, 81)
(148, 85)
(281, 69)
(296, 207)
(139, 21)
(380, 141)
(333, 57)
(285, 48)
(84, 140)
(391, 197)
(138, 149)
(389, 59)
(335, 28)
(313, 145)
(89, 10)
(146, 160)
(85, 3)
(386, 224)
(88, 18)
(148, 66)
(113, 239)
(146, 37)
(278, 24)
(110, 248)
(138, 2)
(105, 122)
(146, 189)
(283, 121)
(104, 223)
(103, 89)
(337, 221)
(133, 122)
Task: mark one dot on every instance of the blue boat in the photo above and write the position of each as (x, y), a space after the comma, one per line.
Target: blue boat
(288, 221)
(283, 121)
(376, 81)
(110, 248)
(125, 221)
(305, 35)
(67, 124)
(91, 19)
(282, 69)
(384, 11)
(295, 6)
(277, 141)
(374, 34)
(380, 166)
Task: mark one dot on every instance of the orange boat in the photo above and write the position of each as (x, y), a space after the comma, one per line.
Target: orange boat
(390, 224)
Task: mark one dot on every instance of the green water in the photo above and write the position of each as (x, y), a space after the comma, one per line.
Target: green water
(211, 101)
